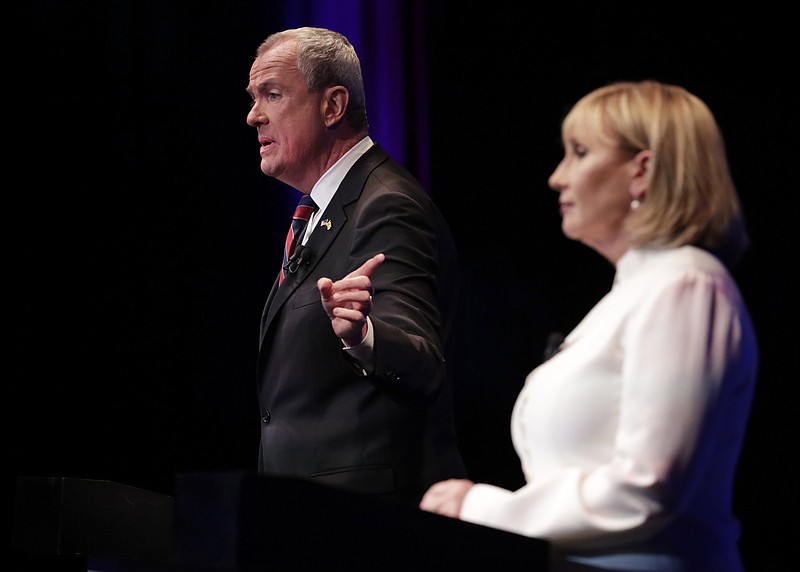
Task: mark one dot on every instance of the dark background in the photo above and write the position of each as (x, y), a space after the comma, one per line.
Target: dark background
(143, 237)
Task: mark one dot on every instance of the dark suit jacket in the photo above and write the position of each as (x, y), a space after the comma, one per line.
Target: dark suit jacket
(392, 432)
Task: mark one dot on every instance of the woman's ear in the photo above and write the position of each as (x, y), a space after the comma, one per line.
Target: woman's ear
(641, 175)
(334, 104)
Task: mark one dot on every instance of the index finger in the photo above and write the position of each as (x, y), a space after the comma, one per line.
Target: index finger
(368, 267)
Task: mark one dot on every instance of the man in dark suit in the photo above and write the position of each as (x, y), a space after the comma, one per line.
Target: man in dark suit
(355, 385)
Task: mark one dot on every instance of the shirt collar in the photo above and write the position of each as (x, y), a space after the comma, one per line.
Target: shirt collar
(325, 188)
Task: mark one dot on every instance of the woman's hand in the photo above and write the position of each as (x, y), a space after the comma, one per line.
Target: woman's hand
(446, 497)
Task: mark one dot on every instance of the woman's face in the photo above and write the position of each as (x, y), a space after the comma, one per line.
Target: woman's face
(594, 185)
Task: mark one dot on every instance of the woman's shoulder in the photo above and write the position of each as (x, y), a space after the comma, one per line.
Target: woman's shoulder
(676, 260)
(659, 269)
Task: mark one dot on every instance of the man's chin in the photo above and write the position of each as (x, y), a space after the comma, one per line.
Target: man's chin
(268, 169)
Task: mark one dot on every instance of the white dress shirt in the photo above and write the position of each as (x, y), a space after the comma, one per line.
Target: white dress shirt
(629, 436)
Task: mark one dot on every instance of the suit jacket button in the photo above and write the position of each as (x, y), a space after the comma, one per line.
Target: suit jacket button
(266, 416)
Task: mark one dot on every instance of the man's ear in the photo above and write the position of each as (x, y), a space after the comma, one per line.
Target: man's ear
(334, 104)
(641, 175)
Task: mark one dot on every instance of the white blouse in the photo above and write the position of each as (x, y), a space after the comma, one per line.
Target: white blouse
(630, 435)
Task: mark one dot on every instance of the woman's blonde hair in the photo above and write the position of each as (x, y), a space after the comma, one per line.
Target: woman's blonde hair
(690, 196)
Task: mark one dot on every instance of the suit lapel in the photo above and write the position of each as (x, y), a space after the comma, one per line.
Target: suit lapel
(325, 232)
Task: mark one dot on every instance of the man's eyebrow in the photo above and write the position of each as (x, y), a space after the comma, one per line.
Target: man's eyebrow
(262, 86)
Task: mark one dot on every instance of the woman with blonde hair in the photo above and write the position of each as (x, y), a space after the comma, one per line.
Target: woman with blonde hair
(629, 436)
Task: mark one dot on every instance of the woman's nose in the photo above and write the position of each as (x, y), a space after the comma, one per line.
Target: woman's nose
(554, 181)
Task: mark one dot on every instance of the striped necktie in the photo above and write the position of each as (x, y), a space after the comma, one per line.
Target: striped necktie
(302, 213)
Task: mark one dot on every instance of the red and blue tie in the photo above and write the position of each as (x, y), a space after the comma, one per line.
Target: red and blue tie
(305, 208)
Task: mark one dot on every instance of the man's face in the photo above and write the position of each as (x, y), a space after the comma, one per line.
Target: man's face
(288, 118)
